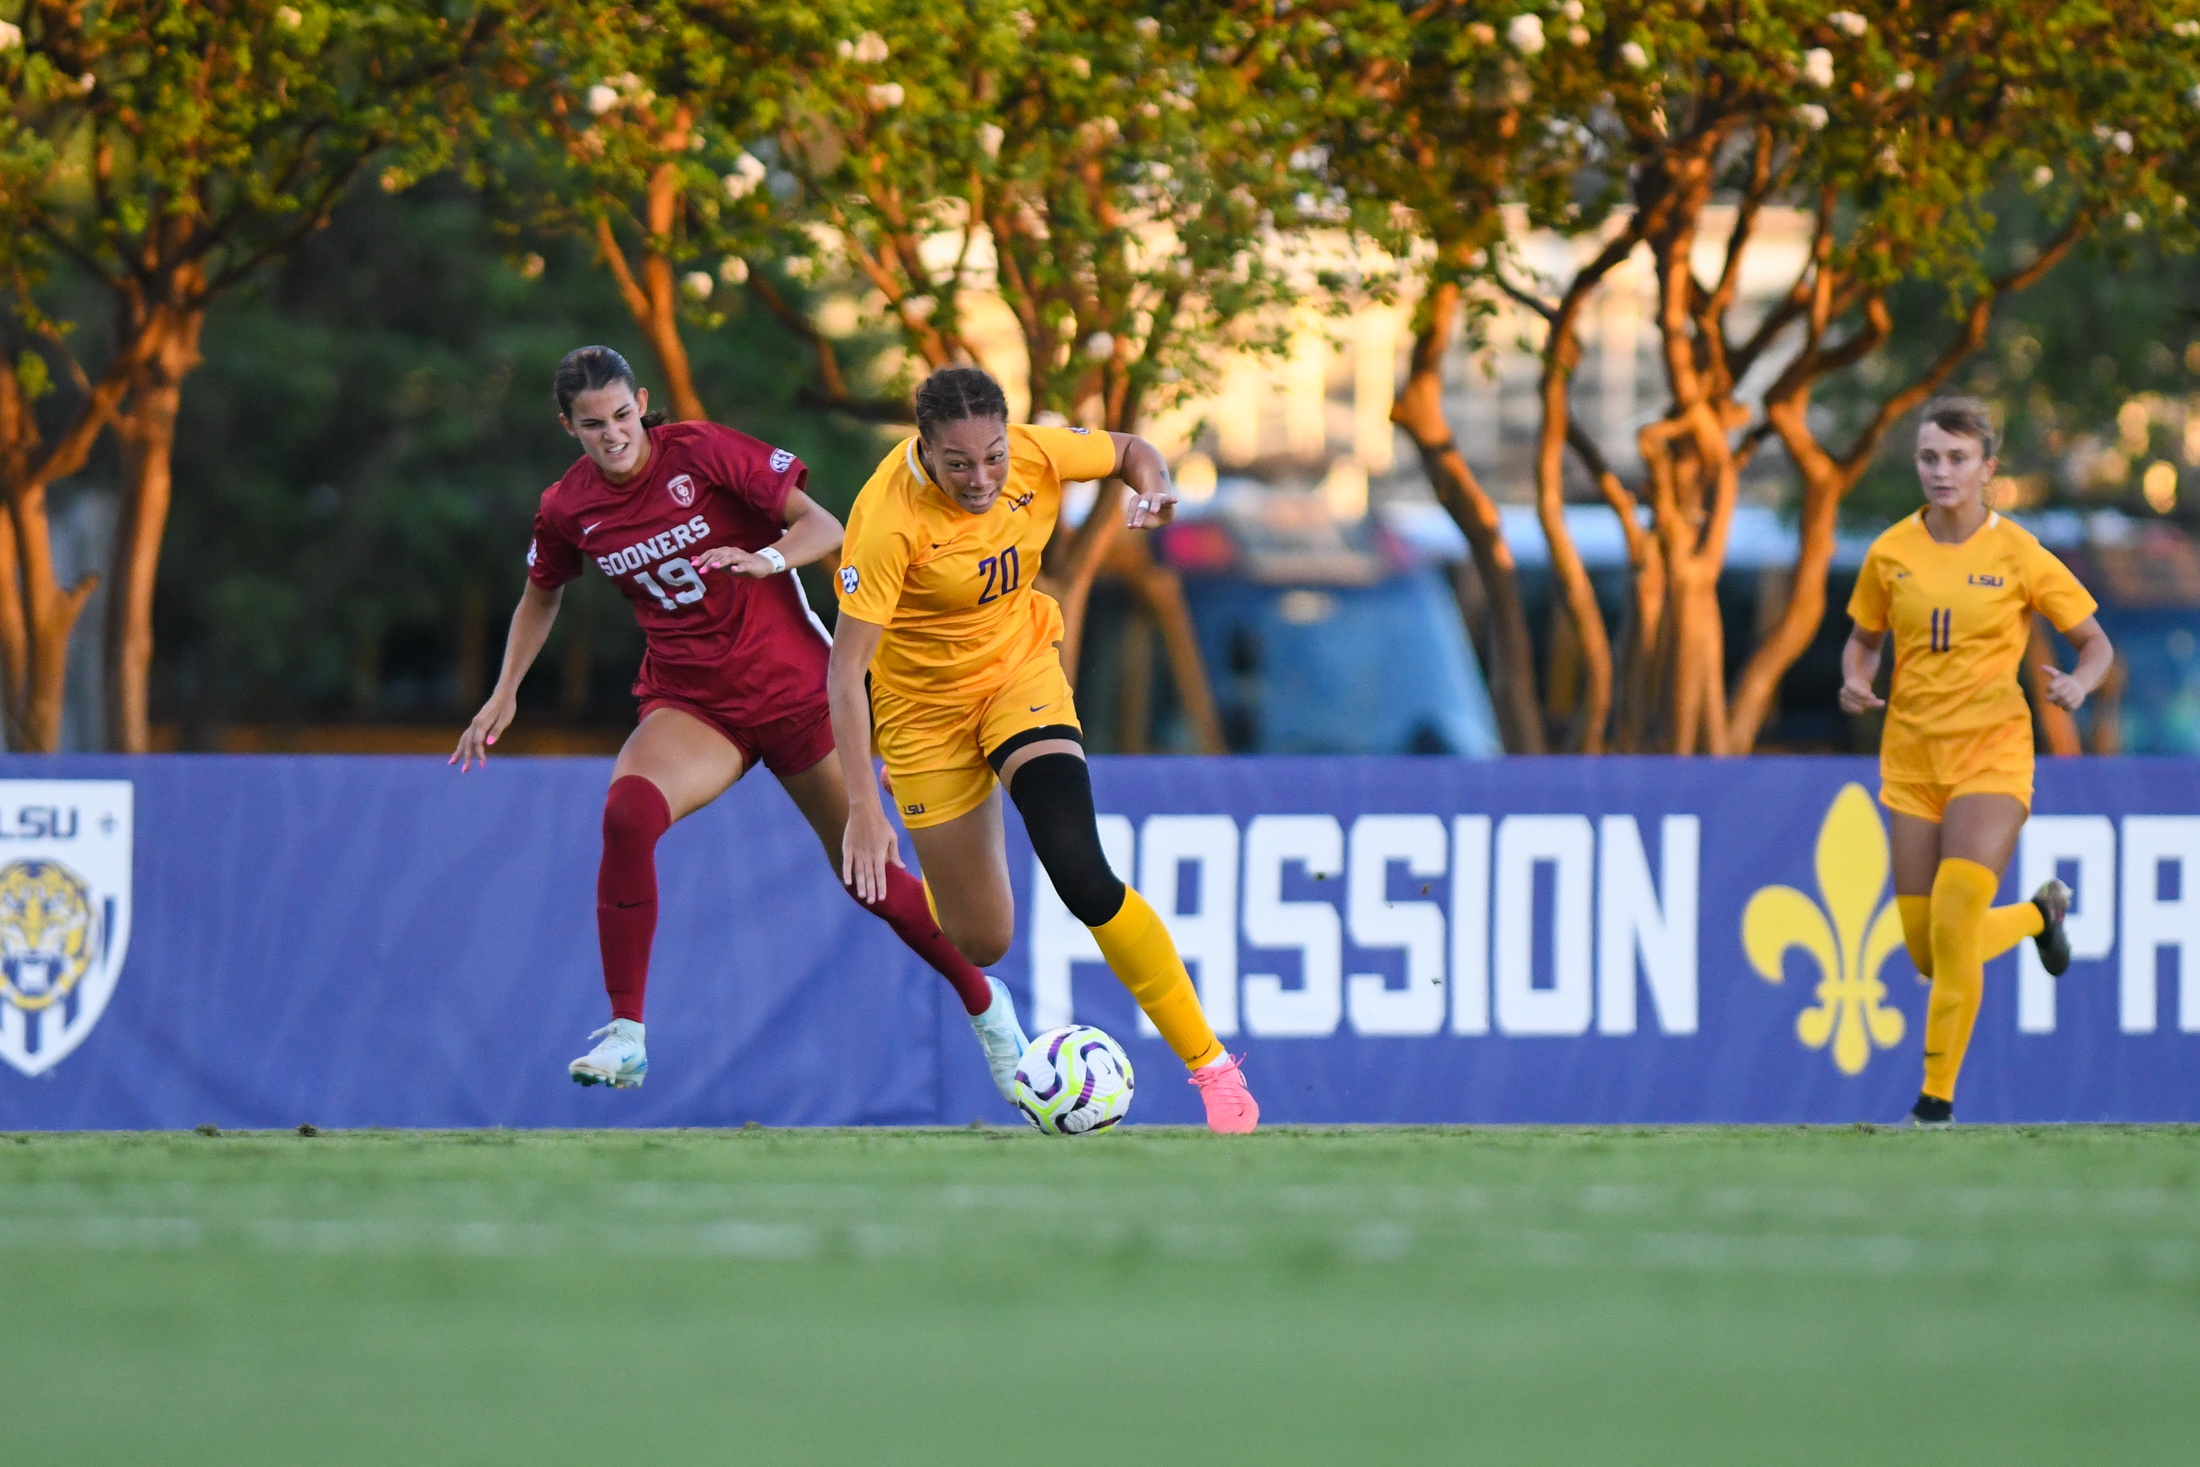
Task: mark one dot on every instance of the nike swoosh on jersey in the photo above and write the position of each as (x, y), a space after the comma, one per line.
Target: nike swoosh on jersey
(586, 528)
(1035, 707)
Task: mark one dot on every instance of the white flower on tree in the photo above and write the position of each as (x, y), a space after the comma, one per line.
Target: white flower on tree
(747, 174)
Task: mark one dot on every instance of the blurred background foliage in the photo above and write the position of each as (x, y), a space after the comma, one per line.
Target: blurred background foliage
(2117, 323)
(368, 439)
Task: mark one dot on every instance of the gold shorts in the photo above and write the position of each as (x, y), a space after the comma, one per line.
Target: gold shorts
(936, 751)
(1996, 762)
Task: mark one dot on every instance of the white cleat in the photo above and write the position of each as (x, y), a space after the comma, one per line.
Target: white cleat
(618, 1060)
(1002, 1038)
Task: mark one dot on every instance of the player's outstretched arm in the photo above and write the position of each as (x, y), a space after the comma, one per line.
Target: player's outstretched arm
(811, 532)
(1859, 665)
(1139, 464)
(531, 620)
(869, 846)
(2095, 657)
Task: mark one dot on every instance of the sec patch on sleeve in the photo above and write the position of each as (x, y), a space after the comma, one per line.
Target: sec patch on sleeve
(780, 459)
(849, 580)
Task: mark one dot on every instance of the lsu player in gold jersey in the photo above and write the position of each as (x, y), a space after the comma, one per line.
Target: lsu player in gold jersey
(967, 697)
(1957, 584)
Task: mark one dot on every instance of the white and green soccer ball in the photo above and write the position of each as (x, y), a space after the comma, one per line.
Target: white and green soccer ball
(1074, 1081)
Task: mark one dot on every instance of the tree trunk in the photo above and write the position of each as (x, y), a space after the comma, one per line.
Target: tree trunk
(1824, 483)
(473, 647)
(38, 615)
(1638, 691)
(15, 644)
(1163, 595)
(1580, 596)
(2055, 722)
(1134, 714)
(576, 664)
(148, 433)
(1419, 409)
(2108, 711)
(1699, 652)
(654, 300)
(49, 615)
(1643, 624)
(1068, 575)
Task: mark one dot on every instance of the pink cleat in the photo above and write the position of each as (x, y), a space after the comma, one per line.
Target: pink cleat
(1231, 1109)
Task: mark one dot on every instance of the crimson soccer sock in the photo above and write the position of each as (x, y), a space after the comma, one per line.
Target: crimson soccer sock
(905, 909)
(634, 815)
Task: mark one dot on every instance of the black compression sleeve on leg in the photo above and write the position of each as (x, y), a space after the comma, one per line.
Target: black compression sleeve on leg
(1053, 792)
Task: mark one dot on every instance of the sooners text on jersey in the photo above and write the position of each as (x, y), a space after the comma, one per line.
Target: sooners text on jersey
(748, 650)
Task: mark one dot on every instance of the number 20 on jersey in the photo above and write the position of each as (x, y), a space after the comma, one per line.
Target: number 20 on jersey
(1003, 573)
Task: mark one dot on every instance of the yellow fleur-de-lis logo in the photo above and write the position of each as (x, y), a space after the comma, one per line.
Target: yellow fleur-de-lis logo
(1850, 934)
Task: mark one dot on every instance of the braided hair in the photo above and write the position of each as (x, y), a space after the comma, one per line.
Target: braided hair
(956, 394)
(587, 368)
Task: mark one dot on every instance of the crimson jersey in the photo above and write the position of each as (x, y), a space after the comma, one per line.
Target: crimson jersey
(746, 649)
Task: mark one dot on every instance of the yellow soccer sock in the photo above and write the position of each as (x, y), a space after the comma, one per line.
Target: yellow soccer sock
(2005, 927)
(1962, 892)
(1137, 946)
(1917, 931)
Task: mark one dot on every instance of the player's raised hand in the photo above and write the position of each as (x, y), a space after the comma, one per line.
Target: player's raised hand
(736, 561)
(1154, 507)
(866, 850)
(1858, 697)
(2063, 689)
(493, 719)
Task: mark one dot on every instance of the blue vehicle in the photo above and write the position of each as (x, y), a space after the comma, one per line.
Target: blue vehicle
(1319, 637)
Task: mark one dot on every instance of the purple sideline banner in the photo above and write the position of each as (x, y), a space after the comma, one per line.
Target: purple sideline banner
(260, 942)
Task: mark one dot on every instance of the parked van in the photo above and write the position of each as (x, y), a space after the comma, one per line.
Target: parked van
(1320, 635)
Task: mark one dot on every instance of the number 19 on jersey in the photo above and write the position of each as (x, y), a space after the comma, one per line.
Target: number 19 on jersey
(686, 587)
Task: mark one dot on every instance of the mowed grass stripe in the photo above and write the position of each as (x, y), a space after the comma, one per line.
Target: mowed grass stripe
(1413, 1295)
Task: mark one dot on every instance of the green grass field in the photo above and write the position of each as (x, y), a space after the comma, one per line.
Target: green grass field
(1328, 1296)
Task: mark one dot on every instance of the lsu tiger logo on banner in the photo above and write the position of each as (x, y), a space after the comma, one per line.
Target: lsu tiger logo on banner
(65, 863)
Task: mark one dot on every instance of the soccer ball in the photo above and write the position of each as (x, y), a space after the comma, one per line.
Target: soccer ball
(1074, 1080)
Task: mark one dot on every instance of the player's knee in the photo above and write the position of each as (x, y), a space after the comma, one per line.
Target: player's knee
(634, 810)
(1054, 794)
(983, 943)
(1951, 924)
(1092, 892)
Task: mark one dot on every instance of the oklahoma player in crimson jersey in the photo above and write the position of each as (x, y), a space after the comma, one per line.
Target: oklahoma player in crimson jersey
(698, 525)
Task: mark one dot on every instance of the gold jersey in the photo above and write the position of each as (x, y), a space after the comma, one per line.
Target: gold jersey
(954, 590)
(1961, 617)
